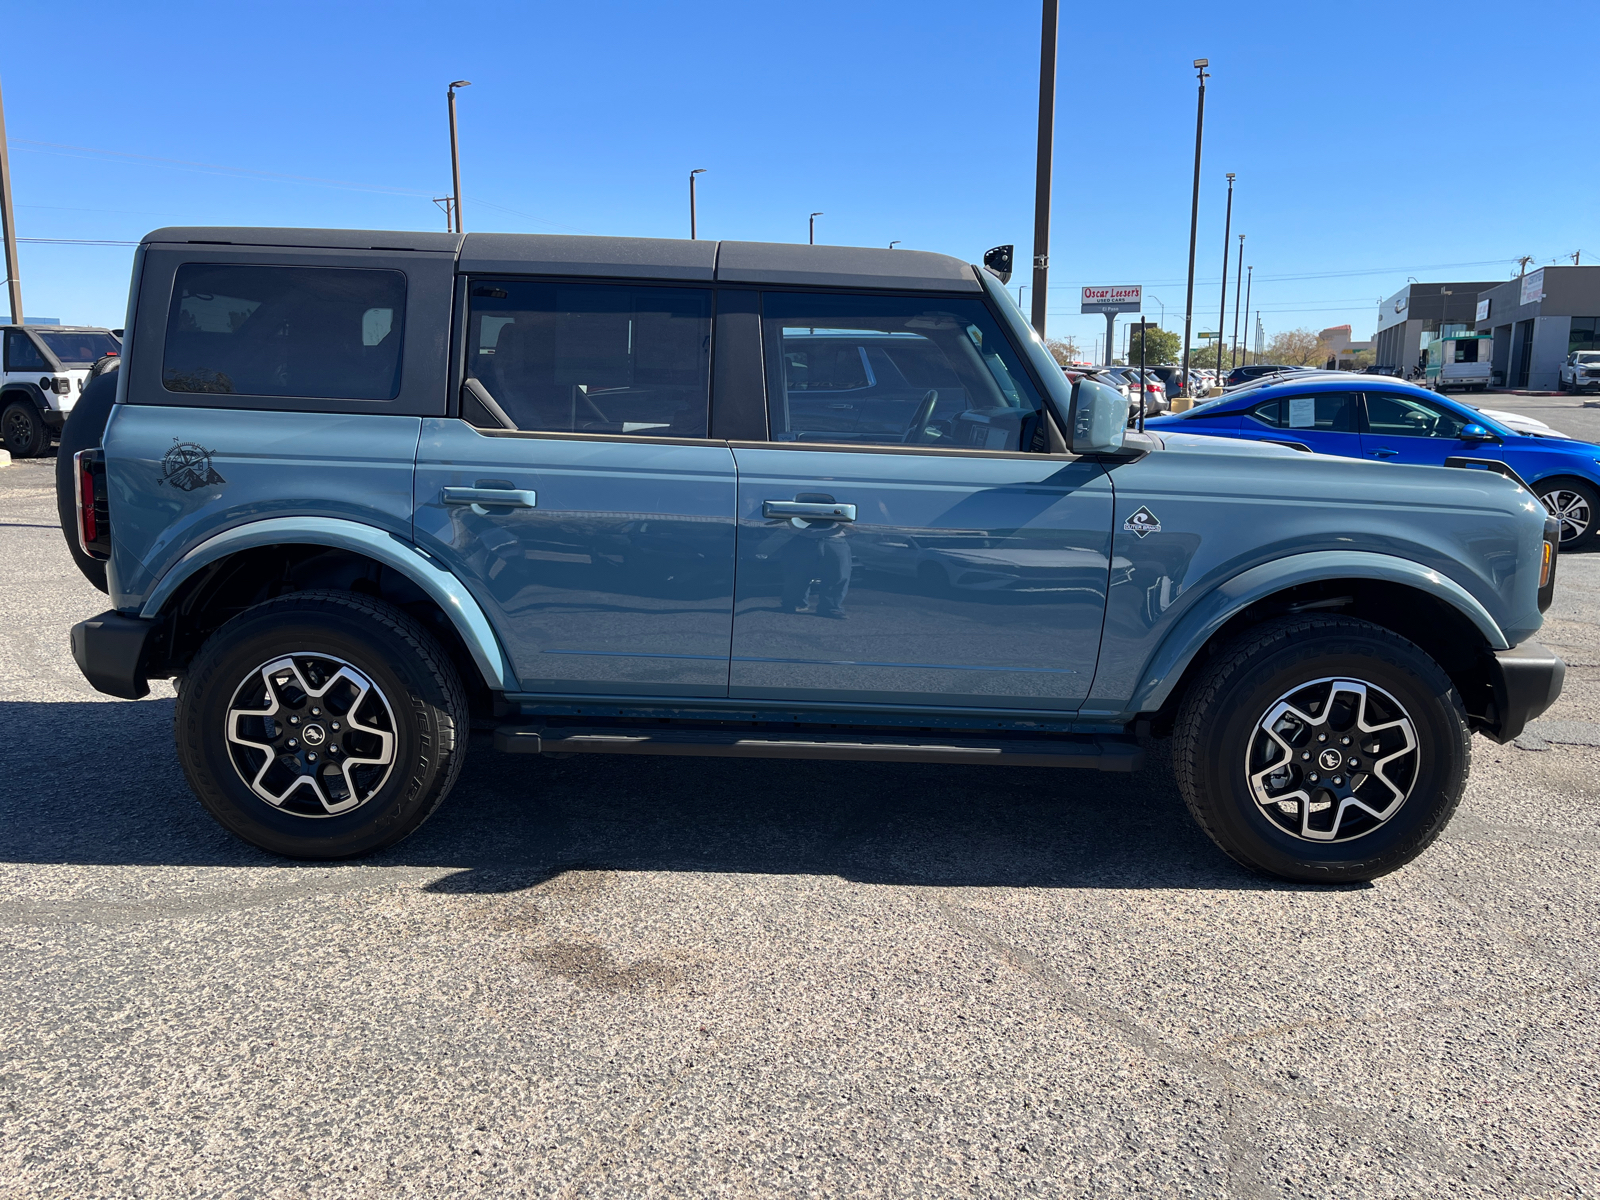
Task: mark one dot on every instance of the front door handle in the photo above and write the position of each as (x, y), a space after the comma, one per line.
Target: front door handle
(503, 497)
(778, 510)
(1382, 453)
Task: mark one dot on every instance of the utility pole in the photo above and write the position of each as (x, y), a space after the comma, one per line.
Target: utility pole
(1522, 265)
(455, 152)
(693, 233)
(811, 239)
(1200, 65)
(1250, 277)
(1047, 132)
(8, 221)
(1233, 358)
(1222, 310)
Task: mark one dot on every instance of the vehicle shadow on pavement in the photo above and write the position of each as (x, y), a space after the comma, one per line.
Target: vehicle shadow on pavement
(112, 794)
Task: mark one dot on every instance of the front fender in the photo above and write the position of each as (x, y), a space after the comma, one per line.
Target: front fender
(441, 586)
(1209, 614)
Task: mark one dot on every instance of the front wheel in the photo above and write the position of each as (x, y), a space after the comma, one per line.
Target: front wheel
(1322, 750)
(1576, 505)
(321, 725)
(23, 430)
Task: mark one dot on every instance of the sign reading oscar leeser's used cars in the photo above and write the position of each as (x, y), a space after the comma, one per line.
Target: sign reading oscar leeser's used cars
(1113, 299)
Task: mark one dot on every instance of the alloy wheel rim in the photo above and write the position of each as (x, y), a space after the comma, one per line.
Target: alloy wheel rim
(311, 735)
(1571, 509)
(1332, 760)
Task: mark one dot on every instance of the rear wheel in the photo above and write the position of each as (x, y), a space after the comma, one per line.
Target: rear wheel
(23, 430)
(321, 725)
(1325, 749)
(1576, 505)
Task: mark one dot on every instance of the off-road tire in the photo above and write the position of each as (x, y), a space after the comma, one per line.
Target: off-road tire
(1219, 716)
(23, 430)
(404, 662)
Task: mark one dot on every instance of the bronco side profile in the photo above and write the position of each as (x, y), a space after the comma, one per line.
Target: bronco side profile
(360, 491)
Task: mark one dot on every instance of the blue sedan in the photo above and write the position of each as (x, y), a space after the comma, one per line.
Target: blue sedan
(1391, 421)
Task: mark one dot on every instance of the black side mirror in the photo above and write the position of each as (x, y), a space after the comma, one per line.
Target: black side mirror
(998, 261)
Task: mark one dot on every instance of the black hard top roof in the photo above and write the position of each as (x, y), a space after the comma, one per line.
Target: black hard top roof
(627, 258)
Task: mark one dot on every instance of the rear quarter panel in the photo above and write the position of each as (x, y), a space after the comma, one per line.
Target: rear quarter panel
(255, 465)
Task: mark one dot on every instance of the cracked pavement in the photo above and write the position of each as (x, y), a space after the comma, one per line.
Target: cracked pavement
(622, 977)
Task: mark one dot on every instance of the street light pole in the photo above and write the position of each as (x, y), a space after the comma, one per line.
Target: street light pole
(8, 226)
(1233, 359)
(1250, 277)
(1200, 65)
(1047, 132)
(1222, 309)
(693, 231)
(455, 150)
(812, 237)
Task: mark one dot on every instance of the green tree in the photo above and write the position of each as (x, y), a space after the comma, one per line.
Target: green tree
(1161, 347)
(1064, 350)
(1296, 348)
(1206, 356)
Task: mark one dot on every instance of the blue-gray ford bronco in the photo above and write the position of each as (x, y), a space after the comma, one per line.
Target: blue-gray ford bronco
(361, 492)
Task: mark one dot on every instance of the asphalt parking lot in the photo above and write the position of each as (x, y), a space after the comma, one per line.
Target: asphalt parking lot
(614, 977)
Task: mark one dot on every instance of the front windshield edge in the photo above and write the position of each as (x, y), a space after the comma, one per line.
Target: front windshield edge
(1051, 378)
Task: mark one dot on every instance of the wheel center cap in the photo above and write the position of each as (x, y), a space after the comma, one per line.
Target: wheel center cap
(315, 735)
(1329, 760)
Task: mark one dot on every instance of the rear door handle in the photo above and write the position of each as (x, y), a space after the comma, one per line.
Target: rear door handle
(504, 497)
(781, 509)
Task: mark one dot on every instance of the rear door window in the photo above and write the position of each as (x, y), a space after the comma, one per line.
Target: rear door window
(326, 332)
(598, 358)
(1330, 412)
(22, 354)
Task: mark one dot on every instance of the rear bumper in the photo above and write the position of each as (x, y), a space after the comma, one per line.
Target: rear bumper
(113, 652)
(1525, 681)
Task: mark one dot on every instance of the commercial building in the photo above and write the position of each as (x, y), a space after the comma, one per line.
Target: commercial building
(1414, 316)
(1537, 320)
(1341, 350)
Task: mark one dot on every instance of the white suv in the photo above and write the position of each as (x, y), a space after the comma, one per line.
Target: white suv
(45, 368)
(1580, 373)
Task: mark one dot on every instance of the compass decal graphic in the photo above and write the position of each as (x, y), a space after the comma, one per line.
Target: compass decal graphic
(187, 466)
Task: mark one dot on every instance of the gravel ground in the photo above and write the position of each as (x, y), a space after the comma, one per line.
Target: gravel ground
(615, 977)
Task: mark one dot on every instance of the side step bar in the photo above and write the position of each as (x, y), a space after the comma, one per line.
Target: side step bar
(1094, 753)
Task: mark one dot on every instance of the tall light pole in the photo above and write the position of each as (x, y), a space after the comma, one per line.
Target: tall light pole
(1200, 65)
(1222, 309)
(1159, 301)
(455, 150)
(693, 229)
(1047, 132)
(811, 239)
(1250, 278)
(8, 226)
(1233, 359)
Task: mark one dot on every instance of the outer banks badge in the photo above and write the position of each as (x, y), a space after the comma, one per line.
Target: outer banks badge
(1144, 522)
(187, 466)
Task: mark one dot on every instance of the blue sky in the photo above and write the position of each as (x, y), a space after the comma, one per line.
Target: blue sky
(1371, 141)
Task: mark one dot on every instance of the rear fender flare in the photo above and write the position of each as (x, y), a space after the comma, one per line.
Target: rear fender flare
(1209, 614)
(440, 585)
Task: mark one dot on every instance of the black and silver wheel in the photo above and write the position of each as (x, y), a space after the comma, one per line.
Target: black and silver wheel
(1323, 749)
(321, 725)
(1575, 505)
(23, 430)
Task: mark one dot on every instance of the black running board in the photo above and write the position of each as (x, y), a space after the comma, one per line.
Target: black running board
(1101, 754)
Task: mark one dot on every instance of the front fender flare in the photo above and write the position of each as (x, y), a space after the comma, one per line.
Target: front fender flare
(1210, 613)
(442, 587)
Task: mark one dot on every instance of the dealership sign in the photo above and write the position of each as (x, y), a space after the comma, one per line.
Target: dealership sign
(1113, 299)
(1532, 287)
(1483, 310)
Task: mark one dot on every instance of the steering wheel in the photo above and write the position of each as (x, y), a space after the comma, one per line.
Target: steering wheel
(919, 423)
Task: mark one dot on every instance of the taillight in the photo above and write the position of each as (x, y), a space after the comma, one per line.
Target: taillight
(63, 386)
(94, 525)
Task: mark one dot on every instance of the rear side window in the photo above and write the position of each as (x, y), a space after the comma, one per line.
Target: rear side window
(1330, 412)
(593, 358)
(327, 332)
